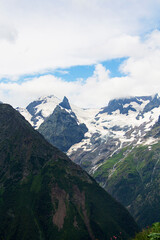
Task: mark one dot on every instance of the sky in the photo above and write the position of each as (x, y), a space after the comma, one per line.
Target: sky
(90, 51)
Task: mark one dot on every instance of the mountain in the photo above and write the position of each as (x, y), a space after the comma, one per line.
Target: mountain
(117, 150)
(44, 195)
(101, 132)
(38, 110)
(61, 129)
(65, 104)
(132, 176)
(122, 123)
(124, 105)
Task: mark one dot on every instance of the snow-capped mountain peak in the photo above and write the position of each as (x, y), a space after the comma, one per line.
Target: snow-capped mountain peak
(120, 123)
(39, 109)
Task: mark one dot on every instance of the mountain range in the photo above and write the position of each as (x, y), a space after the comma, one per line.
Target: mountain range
(45, 196)
(117, 144)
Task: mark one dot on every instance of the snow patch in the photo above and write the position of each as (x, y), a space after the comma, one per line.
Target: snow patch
(24, 112)
(150, 141)
(47, 106)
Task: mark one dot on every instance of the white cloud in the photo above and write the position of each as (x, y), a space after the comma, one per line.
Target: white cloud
(8, 33)
(143, 66)
(37, 36)
(50, 34)
(143, 74)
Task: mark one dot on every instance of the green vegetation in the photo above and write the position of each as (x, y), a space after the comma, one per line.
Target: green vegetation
(108, 165)
(150, 233)
(132, 176)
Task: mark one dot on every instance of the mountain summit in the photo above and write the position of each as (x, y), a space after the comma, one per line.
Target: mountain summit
(62, 129)
(44, 195)
(65, 103)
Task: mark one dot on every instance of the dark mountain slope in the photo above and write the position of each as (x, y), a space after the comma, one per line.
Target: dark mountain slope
(62, 130)
(44, 196)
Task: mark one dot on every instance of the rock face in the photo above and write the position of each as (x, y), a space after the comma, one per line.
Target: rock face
(123, 105)
(44, 195)
(153, 103)
(65, 104)
(62, 130)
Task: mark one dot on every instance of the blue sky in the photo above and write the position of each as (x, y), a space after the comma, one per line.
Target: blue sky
(75, 72)
(90, 51)
(78, 72)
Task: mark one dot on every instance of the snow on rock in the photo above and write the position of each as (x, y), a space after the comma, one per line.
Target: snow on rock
(150, 141)
(38, 110)
(47, 105)
(25, 114)
(127, 128)
(104, 125)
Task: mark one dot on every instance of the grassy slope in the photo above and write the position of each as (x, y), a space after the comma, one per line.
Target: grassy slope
(135, 181)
